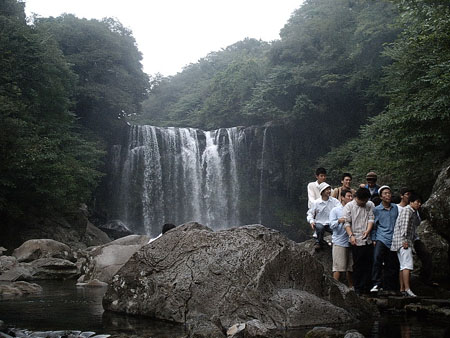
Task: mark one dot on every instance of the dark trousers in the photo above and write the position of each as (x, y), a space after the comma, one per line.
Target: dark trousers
(320, 231)
(386, 275)
(362, 267)
(426, 271)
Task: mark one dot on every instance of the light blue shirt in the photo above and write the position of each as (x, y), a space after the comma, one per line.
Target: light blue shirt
(339, 236)
(384, 223)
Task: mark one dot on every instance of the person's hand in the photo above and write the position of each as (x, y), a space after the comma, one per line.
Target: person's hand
(374, 243)
(365, 234)
(313, 225)
(405, 245)
(341, 220)
(352, 240)
(362, 185)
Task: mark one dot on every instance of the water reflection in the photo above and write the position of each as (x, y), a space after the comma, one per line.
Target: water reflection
(63, 306)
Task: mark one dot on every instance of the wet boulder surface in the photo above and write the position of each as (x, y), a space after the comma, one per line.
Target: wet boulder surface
(231, 276)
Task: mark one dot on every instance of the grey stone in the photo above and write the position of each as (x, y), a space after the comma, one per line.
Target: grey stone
(7, 263)
(353, 334)
(102, 262)
(324, 332)
(236, 275)
(43, 248)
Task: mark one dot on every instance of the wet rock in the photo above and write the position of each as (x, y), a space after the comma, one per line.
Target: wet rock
(95, 283)
(95, 236)
(2, 250)
(428, 310)
(19, 288)
(353, 334)
(53, 268)
(13, 332)
(324, 332)
(7, 263)
(116, 229)
(43, 248)
(101, 263)
(236, 275)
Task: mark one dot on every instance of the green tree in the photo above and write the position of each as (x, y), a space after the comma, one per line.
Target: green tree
(111, 84)
(46, 163)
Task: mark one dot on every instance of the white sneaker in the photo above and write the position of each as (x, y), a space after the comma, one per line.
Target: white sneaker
(315, 234)
(410, 293)
(375, 289)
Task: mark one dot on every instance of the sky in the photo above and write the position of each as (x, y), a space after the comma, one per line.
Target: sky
(172, 34)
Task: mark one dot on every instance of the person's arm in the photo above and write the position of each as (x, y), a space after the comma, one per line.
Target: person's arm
(347, 215)
(311, 216)
(311, 194)
(334, 222)
(370, 220)
(403, 223)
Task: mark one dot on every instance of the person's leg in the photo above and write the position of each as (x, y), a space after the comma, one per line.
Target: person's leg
(336, 275)
(349, 269)
(377, 264)
(391, 270)
(367, 267)
(319, 232)
(405, 275)
(358, 268)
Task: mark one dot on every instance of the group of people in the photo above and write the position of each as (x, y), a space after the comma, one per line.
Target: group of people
(372, 237)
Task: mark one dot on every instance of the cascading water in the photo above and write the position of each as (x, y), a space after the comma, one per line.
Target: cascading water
(176, 175)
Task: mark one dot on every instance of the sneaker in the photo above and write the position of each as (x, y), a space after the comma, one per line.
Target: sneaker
(315, 234)
(351, 288)
(410, 293)
(376, 288)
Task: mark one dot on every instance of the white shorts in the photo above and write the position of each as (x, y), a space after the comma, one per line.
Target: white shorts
(342, 258)
(405, 257)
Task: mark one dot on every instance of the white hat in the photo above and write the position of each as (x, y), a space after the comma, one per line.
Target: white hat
(380, 189)
(323, 186)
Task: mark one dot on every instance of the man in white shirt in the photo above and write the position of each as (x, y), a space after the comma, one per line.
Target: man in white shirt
(318, 216)
(313, 187)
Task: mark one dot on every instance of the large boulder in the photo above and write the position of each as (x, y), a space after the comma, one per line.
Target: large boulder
(104, 261)
(116, 229)
(231, 276)
(43, 248)
(435, 231)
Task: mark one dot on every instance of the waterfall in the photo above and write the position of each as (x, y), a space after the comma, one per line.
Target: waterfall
(176, 175)
(261, 178)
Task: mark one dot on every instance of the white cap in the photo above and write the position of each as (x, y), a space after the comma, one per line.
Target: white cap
(380, 189)
(323, 186)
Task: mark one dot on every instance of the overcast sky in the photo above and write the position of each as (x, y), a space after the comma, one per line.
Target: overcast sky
(174, 33)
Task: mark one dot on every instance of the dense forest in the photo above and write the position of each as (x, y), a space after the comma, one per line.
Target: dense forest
(364, 85)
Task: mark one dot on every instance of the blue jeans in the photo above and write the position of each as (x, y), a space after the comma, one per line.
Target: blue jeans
(320, 231)
(385, 275)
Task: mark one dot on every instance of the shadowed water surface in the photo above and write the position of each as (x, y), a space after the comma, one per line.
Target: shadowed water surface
(64, 306)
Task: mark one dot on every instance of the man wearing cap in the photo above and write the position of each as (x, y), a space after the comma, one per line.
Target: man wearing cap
(359, 218)
(384, 260)
(373, 187)
(319, 213)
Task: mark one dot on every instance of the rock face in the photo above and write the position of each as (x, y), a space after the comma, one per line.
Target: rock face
(231, 276)
(42, 248)
(435, 231)
(104, 261)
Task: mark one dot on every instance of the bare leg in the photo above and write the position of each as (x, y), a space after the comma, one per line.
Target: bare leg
(336, 275)
(405, 273)
(402, 285)
(349, 279)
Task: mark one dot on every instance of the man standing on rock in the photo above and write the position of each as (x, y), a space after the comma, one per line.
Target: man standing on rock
(313, 187)
(318, 216)
(342, 257)
(359, 219)
(402, 242)
(384, 260)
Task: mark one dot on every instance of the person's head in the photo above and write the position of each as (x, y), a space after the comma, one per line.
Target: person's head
(415, 201)
(166, 227)
(385, 194)
(325, 190)
(346, 196)
(371, 179)
(346, 180)
(404, 194)
(362, 195)
(321, 175)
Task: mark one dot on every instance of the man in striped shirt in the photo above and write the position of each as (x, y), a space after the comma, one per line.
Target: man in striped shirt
(359, 219)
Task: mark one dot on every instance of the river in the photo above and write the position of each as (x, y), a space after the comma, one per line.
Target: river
(64, 306)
